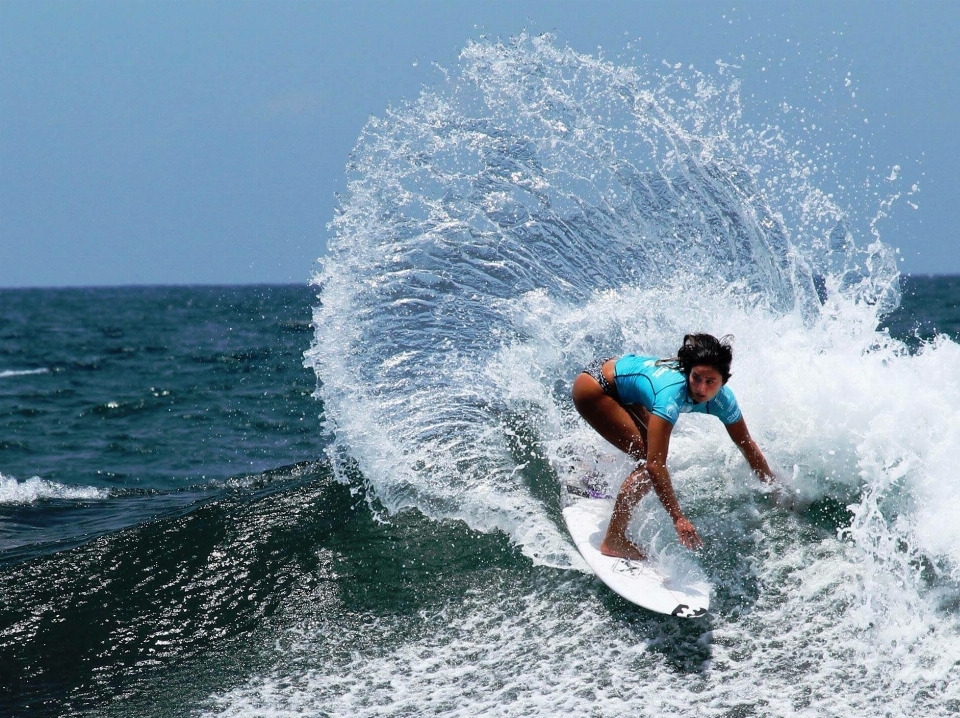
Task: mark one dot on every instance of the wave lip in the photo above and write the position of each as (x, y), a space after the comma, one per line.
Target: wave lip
(36, 489)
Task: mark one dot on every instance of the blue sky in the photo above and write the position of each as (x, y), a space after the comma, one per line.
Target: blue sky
(203, 142)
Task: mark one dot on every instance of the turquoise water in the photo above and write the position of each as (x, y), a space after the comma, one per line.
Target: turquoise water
(343, 499)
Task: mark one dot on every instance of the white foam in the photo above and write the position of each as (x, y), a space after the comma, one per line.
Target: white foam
(6, 373)
(36, 489)
(560, 650)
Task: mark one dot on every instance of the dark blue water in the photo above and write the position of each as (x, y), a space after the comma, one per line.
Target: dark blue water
(148, 397)
(930, 306)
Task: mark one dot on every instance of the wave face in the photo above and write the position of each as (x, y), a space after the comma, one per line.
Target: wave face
(540, 208)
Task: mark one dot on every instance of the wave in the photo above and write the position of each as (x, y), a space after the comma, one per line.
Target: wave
(544, 188)
(147, 595)
(540, 208)
(36, 489)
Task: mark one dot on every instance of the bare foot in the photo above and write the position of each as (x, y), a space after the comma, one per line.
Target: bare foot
(624, 549)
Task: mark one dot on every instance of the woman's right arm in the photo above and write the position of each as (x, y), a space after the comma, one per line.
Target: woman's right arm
(658, 445)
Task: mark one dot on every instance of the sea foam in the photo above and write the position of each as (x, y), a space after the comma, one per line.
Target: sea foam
(7, 373)
(36, 489)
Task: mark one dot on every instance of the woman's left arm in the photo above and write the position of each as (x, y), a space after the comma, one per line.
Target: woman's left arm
(751, 452)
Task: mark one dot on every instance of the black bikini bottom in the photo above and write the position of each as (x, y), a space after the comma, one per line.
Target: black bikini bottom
(595, 370)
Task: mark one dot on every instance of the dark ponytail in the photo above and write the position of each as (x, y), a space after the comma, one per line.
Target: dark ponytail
(706, 350)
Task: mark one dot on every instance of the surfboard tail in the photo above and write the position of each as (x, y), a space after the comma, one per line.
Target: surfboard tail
(589, 486)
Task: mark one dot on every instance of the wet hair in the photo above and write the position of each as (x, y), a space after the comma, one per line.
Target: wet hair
(706, 350)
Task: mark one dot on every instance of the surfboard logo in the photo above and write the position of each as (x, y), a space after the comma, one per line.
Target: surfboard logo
(628, 567)
(684, 611)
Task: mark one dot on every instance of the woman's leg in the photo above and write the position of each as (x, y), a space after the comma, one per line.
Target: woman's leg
(626, 431)
(608, 417)
(615, 542)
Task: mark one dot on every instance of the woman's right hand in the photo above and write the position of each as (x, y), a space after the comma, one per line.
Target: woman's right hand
(687, 533)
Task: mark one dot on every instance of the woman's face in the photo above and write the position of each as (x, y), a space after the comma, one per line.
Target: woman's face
(704, 383)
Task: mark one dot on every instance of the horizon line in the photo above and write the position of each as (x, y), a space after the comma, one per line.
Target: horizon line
(307, 283)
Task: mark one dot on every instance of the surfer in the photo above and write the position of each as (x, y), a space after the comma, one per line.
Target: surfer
(634, 401)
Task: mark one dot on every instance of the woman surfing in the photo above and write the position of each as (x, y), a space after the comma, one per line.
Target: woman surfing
(634, 401)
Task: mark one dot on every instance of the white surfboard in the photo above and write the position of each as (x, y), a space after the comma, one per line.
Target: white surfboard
(639, 582)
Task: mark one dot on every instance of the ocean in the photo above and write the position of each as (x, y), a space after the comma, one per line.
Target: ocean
(343, 498)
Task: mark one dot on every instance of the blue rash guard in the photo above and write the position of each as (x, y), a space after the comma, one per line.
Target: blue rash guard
(662, 390)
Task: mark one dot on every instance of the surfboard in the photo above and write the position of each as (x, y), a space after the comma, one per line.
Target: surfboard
(640, 582)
